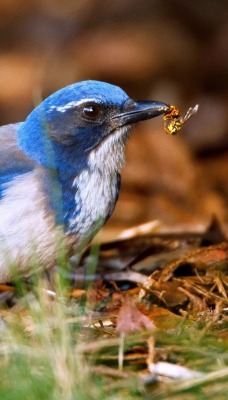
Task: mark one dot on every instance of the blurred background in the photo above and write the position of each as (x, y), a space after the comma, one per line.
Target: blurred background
(169, 50)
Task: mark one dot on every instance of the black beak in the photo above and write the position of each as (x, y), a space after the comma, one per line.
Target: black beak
(141, 111)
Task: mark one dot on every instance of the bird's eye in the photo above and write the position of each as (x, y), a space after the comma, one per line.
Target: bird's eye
(91, 111)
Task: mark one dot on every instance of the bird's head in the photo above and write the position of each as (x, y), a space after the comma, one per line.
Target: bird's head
(66, 127)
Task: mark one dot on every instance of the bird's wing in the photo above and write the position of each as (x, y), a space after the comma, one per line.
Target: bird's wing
(13, 161)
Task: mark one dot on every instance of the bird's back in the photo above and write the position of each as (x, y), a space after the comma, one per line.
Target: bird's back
(13, 161)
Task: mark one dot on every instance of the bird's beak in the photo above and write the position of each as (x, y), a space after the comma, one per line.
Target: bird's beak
(142, 110)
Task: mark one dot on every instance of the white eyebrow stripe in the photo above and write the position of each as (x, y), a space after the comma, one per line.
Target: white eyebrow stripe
(72, 104)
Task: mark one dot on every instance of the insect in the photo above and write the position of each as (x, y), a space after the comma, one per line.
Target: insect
(173, 121)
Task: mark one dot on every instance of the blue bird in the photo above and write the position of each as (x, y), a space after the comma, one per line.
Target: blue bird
(60, 172)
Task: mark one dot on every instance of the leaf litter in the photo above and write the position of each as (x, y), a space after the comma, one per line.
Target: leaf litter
(155, 311)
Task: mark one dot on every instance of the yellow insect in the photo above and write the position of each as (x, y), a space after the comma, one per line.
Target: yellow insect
(173, 120)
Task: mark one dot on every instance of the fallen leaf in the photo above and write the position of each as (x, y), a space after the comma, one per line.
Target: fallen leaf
(130, 319)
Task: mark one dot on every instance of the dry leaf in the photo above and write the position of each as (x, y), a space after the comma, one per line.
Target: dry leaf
(130, 319)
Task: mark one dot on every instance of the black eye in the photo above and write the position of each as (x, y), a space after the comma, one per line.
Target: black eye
(91, 111)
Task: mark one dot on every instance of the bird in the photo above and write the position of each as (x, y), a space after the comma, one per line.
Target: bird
(60, 172)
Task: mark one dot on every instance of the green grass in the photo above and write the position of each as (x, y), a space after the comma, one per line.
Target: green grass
(38, 351)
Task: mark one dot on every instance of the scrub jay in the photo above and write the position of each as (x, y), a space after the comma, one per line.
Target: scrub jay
(60, 172)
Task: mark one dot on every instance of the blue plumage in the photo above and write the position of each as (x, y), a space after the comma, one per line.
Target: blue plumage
(58, 117)
(60, 171)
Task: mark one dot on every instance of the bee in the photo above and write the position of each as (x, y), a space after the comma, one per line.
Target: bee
(173, 121)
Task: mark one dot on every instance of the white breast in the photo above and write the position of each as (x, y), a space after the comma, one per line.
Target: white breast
(96, 188)
(95, 198)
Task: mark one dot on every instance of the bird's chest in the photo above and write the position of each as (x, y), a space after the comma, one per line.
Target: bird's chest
(95, 196)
